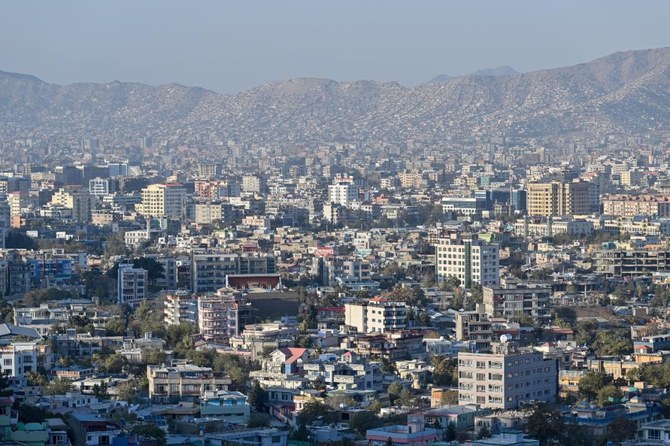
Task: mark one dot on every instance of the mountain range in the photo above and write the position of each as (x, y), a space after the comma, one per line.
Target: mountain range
(625, 92)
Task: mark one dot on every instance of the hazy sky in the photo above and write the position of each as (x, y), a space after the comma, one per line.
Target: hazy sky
(229, 46)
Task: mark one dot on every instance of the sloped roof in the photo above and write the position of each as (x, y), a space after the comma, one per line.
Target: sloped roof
(17, 330)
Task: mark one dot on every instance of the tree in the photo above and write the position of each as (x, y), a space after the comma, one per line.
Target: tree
(362, 421)
(59, 386)
(545, 424)
(151, 431)
(609, 395)
(17, 239)
(406, 398)
(445, 371)
(115, 363)
(315, 410)
(621, 429)
(484, 432)
(128, 391)
(591, 383)
(257, 396)
(451, 432)
(100, 391)
(394, 390)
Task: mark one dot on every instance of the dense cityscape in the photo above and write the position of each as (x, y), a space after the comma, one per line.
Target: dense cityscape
(479, 259)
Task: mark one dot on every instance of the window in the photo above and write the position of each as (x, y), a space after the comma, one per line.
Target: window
(7, 362)
(653, 434)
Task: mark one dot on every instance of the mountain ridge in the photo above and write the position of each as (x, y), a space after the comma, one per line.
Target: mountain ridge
(624, 92)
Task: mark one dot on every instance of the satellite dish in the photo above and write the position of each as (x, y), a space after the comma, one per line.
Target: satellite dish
(504, 338)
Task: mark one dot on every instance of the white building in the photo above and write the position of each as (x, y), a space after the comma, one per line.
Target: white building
(506, 378)
(378, 315)
(342, 193)
(469, 259)
(163, 200)
(131, 284)
(19, 358)
(180, 307)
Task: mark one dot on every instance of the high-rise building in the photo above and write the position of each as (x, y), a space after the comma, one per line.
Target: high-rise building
(558, 199)
(467, 258)
(163, 200)
(342, 193)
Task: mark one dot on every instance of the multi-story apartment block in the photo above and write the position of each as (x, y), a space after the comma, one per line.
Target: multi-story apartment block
(627, 205)
(132, 284)
(622, 262)
(209, 270)
(183, 381)
(219, 314)
(19, 358)
(208, 213)
(464, 205)
(378, 315)
(329, 269)
(79, 200)
(557, 199)
(506, 378)
(180, 307)
(474, 326)
(253, 184)
(102, 186)
(515, 300)
(342, 194)
(469, 259)
(163, 200)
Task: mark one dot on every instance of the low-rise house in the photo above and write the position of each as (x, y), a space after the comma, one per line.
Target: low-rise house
(231, 406)
(415, 433)
(183, 381)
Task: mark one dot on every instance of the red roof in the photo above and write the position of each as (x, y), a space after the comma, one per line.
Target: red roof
(292, 354)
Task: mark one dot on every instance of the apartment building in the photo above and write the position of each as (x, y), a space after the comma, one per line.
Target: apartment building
(621, 262)
(506, 378)
(628, 205)
(329, 269)
(378, 315)
(519, 300)
(557, 198)
(183, 381)
(342, 193)
(475, 326)
(210, 270)
(77, 199)
(163, 200)
(180, 307)
(219, 314)
(468, 258)
(19, 358)
(132, 284)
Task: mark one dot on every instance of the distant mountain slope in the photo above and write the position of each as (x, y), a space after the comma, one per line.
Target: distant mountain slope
(623, 92)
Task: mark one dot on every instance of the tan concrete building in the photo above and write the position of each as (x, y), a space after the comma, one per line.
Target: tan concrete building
(506, 378)
(557, 199)
(627, 205)
(163, 200)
